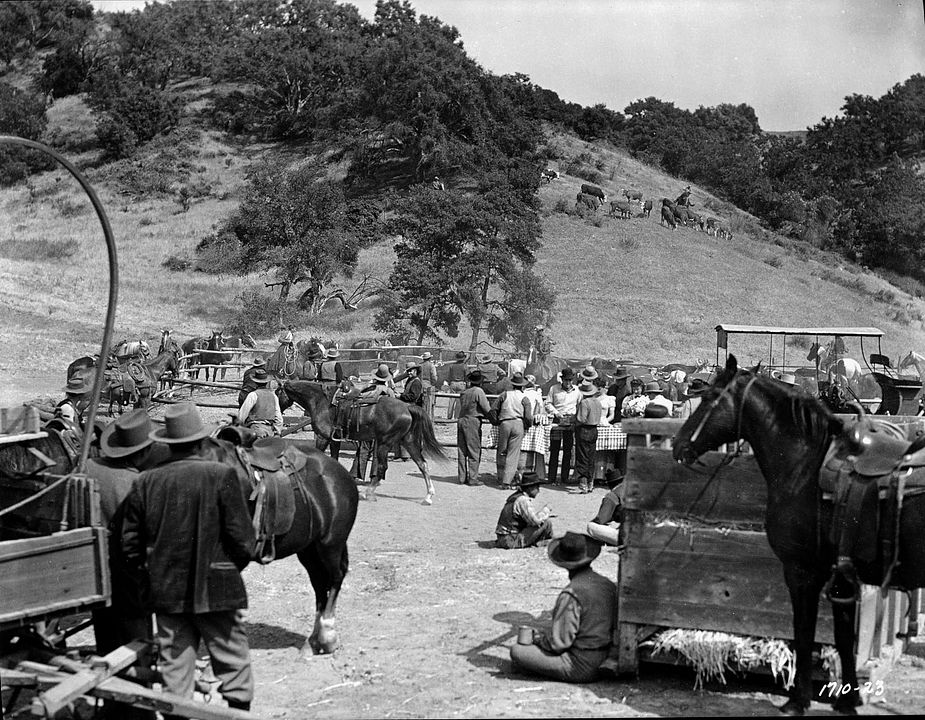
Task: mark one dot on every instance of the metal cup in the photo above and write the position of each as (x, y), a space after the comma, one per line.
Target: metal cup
(525, 636)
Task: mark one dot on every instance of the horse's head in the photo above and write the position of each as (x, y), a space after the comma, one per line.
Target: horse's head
(907, 361)
(285, 402)
(217, 341)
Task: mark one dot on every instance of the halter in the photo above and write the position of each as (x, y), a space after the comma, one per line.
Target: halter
(730, 456)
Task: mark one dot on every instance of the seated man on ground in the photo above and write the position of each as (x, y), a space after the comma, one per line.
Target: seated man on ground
(579, 640)
(519, 525)
(605, 526)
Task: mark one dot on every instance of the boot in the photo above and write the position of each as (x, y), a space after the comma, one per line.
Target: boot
(239, 704)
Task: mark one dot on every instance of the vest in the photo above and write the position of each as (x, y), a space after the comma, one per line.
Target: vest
(457, 371)
(414, 392)
(264, 409)
(598, 598)
(507, 523)
(327, 371)
(512, 406)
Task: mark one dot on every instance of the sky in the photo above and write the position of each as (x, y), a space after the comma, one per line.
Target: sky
(793, 61)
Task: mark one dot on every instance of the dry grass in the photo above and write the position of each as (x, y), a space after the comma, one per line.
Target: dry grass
(626, 288)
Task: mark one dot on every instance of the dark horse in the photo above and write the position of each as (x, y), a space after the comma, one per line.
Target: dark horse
(790, 433)
(144, 379)
(387, 422)
(325, 509)
(220, 351)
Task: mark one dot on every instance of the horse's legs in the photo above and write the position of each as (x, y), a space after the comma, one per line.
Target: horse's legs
(843, 615)
(804, 590)
(326, 568)
(377, 473)
(414, 450)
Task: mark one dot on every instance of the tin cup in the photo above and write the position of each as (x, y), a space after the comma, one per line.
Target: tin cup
(525, 636)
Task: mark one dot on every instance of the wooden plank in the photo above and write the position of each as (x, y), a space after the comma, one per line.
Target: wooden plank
(655, 483)
(663, 427)
(21, 420)
(23, 437)
(126, 691)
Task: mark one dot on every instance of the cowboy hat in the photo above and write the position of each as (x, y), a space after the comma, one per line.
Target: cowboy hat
(573, 550)
(126, 434)
(259, 362)
(412, 365)
(485, 358)
(588, 373)
(654, 410)
(653, 387)
(518, 380)
(260, 377)
(426, 356)
(76, 386)
(182, 424)
(529, 479)
(460, 355)
(788, 378)
(566, 373)
(475, 377)
(382, 373)
(587, 388)
(621, 374)
(332, 353)
(696, 388)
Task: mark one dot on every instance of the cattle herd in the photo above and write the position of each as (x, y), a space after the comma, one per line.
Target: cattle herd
(673, 212)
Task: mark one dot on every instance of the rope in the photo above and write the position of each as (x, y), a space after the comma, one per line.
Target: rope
(35, 496)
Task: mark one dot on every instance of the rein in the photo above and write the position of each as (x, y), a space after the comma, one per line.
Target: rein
(730, 456)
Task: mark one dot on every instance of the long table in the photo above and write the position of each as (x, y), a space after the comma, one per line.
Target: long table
(536, 439)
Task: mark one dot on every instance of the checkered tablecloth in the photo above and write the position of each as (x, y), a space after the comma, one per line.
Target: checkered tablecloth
(609, 437)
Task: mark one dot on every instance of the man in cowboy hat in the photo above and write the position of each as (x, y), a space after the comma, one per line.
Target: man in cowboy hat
(125, 448)
(587, 418)
(653, 392)
(381, 385)
(428, 370)
(582, 620)
(260, 410)
(561, 404)
(456, 373)
(690, 398)
(76, 400)
(330, 373)
(519, 524)
(187, 524)
(531, 459)
(247, 381)
(491, 372)
(413, 392)
(515, 415)
(587, 374)
(542, 345)
(473, 410)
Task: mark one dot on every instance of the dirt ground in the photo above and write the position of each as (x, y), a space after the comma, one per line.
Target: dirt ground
(429, 610)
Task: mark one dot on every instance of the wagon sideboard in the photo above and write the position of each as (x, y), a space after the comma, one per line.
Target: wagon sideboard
(696, 555)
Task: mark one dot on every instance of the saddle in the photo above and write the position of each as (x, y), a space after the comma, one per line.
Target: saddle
(349, 410)
(868, 486)
(274, 481)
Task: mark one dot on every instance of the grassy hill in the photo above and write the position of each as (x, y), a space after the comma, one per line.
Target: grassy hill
(626, 288)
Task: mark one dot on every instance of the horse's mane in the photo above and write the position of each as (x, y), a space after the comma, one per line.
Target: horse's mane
(802, 413)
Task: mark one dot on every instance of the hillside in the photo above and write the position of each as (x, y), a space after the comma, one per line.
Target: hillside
(626, 288)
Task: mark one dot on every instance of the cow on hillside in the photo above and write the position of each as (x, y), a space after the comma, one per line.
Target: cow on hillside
(588, 201)
(668, 217)
(635, 195)
(622, 207)
(647, 208)
(595, 191)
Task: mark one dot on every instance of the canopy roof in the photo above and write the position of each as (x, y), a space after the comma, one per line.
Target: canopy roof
(784, 330)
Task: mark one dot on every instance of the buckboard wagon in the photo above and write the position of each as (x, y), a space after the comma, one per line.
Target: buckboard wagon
(695, 556)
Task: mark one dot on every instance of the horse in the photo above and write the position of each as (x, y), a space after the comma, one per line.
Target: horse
(131, 350)
(154, 370)
(388, 422)
(296, 362)
(214, 353)
(790, 434)
(844, 371)
(326, 501)
(190, 350)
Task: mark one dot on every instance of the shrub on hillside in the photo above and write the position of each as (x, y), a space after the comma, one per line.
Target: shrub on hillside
(21, 114)
(40, 249)
(177, 263)
(562, 206)
(258, 311)
(219, 254)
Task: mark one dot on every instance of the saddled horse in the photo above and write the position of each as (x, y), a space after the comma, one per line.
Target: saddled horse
(326, 502)
(126, 350)
(387, 423)
(296, 361)
(790, 434)
(131, 383)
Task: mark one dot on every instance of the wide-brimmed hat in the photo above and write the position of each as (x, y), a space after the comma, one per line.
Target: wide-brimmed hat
(259, 362)
(588, 373)
(518, 380)
(573, 550)
(460, 355)
(486, 358)
(655, 410)
(382, 373)
(260, 377)
(427, 356)
(788, 378)
(621, 373)
(182, 424)
(475, 377)
(76, 386)
(652, 387)
(127, 434)
(332, 353)
(566, 374)
(529, 478)
(587, 388)
(696, 388)
(412, 365)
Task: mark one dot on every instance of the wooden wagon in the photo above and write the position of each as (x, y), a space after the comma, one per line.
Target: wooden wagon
(696, 556)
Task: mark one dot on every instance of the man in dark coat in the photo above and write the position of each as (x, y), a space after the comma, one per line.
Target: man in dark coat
(456, 373)
(473, 408)
(247, 381)
(413, 392)
(186, 522)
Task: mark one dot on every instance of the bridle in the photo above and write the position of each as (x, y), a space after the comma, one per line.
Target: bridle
(714, 404)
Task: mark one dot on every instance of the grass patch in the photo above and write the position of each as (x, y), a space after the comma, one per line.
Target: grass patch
(38, 249)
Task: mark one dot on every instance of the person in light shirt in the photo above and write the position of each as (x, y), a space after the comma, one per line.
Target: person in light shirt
(654, 392)
(634, 404)
(561, 404)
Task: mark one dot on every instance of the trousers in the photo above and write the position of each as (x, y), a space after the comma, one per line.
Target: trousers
(573, 666)
(468, 449)
(563, 439)
(585, 444)
(507, 457)
(528, 537)
(222, 632)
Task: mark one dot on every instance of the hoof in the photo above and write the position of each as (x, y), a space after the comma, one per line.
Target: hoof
(793, 707)
(429, 500)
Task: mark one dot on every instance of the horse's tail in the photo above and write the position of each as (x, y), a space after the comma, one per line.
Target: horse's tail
(422, 430)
